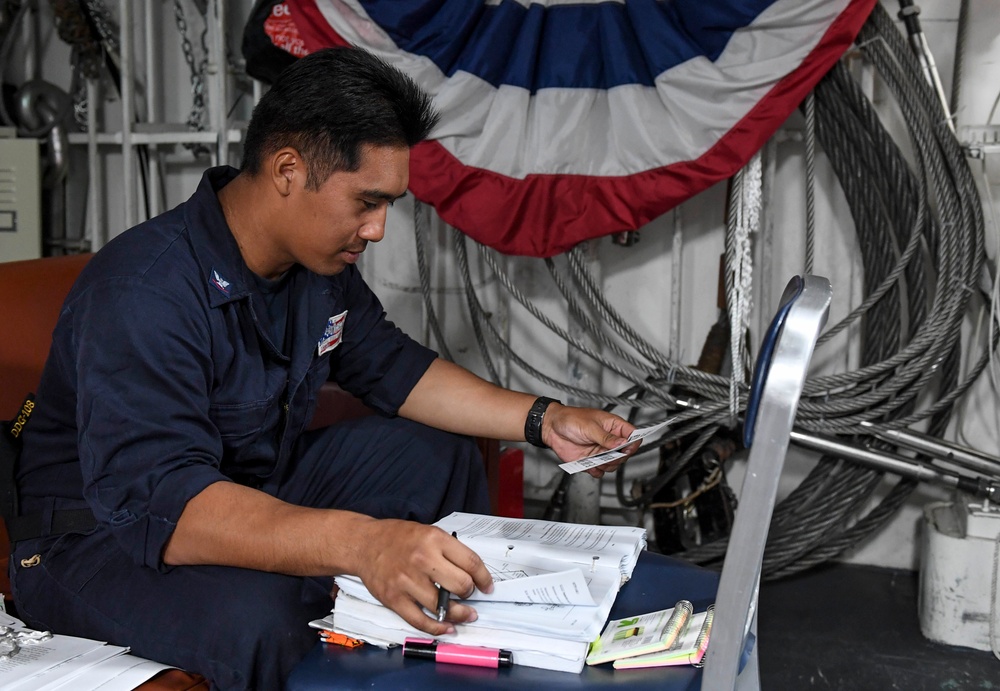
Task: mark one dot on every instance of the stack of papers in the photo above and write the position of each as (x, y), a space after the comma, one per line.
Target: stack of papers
(69, 663)
(554, 585)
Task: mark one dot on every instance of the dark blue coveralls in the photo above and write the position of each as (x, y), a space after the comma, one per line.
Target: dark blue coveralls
(162, 380)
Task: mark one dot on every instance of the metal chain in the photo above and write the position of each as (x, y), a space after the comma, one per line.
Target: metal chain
(72, 28)
(81, 104)
(198, 68)
(99, 18)
(196, 120)
(87, 56)
(106, 26)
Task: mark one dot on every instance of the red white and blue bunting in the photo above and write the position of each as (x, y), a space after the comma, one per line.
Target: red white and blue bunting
(564, 121)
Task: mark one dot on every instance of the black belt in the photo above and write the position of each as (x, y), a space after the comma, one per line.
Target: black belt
(33, 525)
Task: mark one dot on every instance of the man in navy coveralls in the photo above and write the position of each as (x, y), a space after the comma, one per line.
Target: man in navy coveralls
(184, 371)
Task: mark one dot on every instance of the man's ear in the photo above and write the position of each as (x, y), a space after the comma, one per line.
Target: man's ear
(287, 169)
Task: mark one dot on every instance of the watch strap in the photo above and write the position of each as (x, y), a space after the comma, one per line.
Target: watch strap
(533, 423)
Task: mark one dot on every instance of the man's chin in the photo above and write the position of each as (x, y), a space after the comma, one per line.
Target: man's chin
(327, 268)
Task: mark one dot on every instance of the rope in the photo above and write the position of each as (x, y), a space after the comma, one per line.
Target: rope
(960, 43)
(745, 198)
(810, 141)
(420, 233)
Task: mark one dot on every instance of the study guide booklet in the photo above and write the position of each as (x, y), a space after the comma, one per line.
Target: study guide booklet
(380, 626)
(541, 562)
(642, 634)
(554, 586)
(572, 622)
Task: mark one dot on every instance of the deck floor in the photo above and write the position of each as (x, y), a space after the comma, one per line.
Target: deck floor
(856, 628)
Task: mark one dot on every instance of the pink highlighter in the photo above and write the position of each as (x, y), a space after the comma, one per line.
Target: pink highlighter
(452, 653)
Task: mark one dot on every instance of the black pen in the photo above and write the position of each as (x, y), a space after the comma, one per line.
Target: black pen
(443, 595)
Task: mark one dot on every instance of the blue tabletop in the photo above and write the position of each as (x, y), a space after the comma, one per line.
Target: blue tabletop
(658, 582)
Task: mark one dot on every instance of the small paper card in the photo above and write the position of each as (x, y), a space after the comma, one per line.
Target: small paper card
(600, 459)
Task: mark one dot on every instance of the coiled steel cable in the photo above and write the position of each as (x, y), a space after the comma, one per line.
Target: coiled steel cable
(921, 243)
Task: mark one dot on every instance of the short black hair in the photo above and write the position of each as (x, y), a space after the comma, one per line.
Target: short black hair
(329, 104)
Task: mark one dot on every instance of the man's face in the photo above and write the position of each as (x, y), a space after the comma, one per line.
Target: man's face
(329, 228)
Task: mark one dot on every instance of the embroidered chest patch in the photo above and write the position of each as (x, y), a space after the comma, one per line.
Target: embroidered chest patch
(220, 283)
(332, 335)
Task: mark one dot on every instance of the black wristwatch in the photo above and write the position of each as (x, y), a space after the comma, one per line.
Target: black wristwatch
(533, 424)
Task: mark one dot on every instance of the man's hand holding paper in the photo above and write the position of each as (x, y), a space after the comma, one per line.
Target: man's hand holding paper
(573, 432)
(602, 461)
(405, 562)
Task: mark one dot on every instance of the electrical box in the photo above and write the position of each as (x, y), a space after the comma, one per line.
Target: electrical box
(20, 198)
(960, 559)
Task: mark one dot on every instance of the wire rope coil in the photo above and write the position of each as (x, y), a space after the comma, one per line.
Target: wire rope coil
(919, 222)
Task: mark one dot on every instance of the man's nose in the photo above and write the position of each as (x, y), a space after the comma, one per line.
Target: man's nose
(374, 229)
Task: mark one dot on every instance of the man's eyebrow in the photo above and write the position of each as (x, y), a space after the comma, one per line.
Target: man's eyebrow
(379, 194)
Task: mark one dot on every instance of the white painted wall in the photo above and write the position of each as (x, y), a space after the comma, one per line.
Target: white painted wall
(639, 281)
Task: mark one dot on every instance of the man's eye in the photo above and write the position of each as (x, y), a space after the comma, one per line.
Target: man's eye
(370, 206)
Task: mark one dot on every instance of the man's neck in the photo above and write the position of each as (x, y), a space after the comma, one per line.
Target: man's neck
(236, 199)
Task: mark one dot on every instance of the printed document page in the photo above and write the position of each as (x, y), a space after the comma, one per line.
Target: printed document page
(26, 668)
(67, 675)
(68, 663)
(122, 673)
(589, 547)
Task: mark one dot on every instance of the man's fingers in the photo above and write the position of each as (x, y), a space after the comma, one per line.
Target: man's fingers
(484, 581)
(609, 467)
(411, 561)
(413, 615)
(469, 572)
(460, 614)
